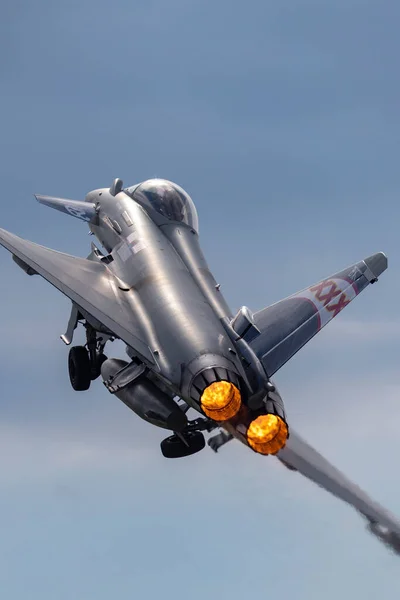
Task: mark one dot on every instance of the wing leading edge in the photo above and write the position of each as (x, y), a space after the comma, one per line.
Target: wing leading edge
(288, 325)
(87, 283)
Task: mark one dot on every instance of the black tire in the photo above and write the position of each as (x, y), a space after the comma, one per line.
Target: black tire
(79, 368)
(95, 372)
(174, 447)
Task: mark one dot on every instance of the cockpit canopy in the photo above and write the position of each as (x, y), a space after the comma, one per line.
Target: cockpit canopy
(168, 199)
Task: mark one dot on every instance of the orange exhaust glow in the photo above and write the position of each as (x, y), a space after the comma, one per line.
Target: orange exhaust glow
(267, 434)
(221, 401)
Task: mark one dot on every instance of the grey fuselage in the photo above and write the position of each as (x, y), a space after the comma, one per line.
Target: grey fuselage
(181, 313)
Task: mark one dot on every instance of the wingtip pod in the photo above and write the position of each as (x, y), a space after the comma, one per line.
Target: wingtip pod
(376, 264)
(390, 538)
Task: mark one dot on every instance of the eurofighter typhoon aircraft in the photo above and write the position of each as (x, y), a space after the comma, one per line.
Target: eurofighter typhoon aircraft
(151, 288)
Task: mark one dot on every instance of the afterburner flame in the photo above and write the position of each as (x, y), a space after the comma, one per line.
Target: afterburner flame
(221, 400)
(267, 434)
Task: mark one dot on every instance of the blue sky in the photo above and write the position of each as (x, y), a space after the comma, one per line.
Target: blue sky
(281, 120)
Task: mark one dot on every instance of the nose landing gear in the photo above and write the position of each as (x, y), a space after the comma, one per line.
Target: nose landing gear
(189, 441)
(183, 445)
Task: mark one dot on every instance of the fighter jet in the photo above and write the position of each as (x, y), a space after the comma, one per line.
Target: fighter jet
(150, 286)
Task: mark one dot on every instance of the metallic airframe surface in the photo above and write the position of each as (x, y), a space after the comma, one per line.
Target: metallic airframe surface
(151, 287)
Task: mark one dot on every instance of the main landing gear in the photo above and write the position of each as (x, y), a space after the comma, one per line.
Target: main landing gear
(84, 362)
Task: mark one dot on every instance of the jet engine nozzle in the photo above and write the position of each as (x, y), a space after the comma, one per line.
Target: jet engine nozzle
(267, 434)
(221, 400)
(216, 389)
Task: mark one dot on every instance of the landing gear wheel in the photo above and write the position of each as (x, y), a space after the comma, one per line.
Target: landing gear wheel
(174, 447)
(95, 372)
(79, 368)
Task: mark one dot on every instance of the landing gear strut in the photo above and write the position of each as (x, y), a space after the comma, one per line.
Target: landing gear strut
(84, 363)
(95, 348)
